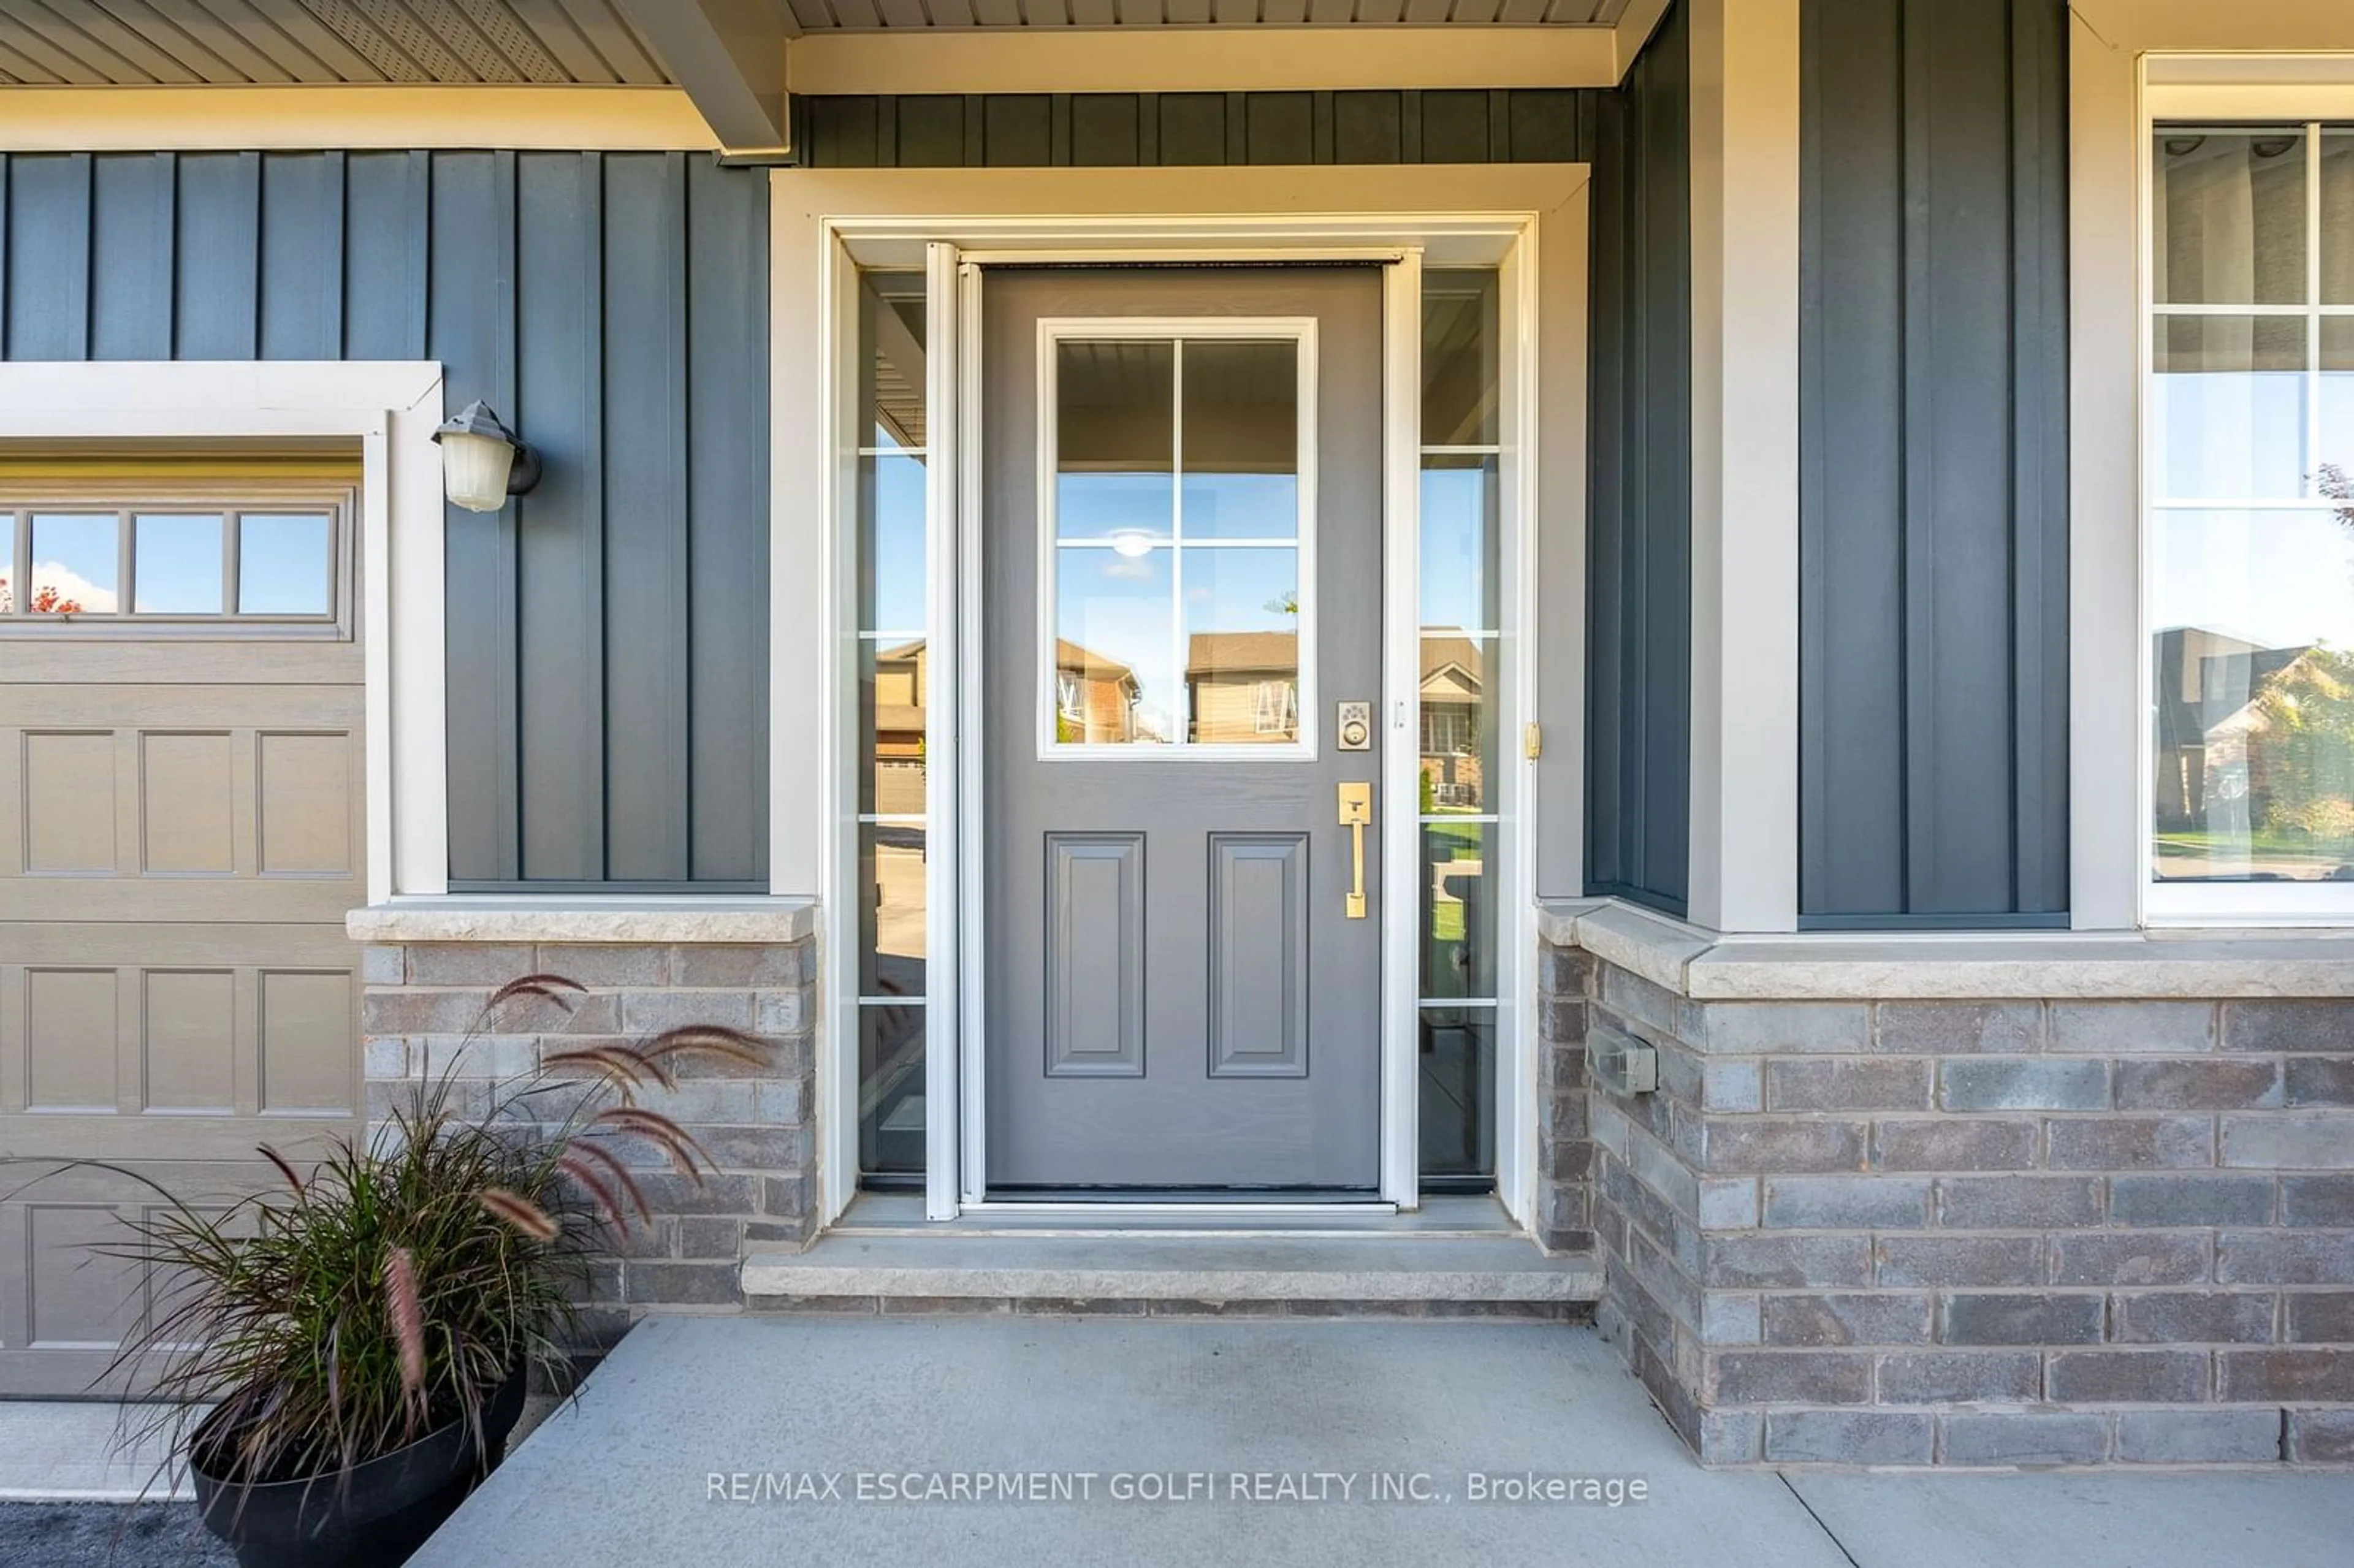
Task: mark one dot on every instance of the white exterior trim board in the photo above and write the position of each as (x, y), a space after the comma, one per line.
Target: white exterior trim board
(390, 408)
(825, 224)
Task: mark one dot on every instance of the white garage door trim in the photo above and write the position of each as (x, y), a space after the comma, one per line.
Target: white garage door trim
(391, 407)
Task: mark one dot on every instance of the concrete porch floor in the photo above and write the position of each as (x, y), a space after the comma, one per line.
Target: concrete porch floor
(628, 1475)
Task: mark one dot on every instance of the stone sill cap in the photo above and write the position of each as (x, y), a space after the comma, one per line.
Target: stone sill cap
(577, 919)
(1710, 966)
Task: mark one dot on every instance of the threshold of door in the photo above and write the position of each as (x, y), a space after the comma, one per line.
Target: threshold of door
(1164, 1273)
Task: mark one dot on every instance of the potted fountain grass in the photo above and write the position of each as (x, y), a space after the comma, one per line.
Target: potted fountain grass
(363, 1335)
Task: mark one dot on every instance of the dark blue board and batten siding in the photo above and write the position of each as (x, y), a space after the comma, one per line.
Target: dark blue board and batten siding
(1638, 604)
(608, 633)
(1151, 130)
(1933, 519)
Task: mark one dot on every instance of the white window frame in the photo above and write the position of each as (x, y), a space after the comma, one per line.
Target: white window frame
(1053, 333)
(2188, 90)
(228, 502)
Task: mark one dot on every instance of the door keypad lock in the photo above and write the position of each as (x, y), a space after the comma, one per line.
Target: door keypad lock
(1355, 726)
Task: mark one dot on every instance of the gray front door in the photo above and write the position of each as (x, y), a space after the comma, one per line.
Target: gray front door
(1182, 582)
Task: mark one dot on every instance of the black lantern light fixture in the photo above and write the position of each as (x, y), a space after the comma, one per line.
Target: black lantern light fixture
(482, 461)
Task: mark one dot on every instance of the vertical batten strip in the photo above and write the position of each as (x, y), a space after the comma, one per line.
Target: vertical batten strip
(471, 330)
(388, 223)
(2039, 415)
(130, 264)
(1916, 468)
(219, 272)
(646, 594)
(560, 525)
(727, 522)
(50, 218)
(302, 238)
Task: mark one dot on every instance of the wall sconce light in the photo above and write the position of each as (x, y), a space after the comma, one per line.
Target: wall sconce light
(482, 461)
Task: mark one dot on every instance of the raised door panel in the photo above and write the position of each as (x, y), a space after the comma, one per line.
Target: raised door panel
(229, 818)
(1258, 955)
(1094, 954)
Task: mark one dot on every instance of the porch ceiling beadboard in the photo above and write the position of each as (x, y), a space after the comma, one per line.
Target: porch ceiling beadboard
(606, 634)
(324, 42)
(904, 16)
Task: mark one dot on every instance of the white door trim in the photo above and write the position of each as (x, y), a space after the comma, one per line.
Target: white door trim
(885, 228)
(1398, 802)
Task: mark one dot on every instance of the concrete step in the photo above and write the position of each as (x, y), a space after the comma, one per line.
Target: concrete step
(1406, 1274)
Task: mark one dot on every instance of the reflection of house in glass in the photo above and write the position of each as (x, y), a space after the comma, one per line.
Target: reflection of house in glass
(1454, 688)
(901, 674)
(1095, 698)
(2254, 768)
(1242, 688)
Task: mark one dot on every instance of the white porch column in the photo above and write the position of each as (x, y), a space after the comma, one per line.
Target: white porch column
(1744, 520)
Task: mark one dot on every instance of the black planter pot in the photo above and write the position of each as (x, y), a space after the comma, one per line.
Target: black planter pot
(374, 1517)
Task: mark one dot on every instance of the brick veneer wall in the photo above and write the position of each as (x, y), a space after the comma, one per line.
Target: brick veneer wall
(1565, 1168)
(1965, 1233)
(419, 1001)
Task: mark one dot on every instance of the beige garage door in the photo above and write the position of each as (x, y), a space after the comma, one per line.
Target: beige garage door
(181, 833)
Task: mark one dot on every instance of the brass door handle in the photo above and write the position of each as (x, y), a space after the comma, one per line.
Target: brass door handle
(1356, 814)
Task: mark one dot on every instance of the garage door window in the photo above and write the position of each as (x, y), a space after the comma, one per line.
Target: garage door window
(161, 564)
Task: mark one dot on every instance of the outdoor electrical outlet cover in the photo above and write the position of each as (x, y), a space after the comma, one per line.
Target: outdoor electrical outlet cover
(1622, 1064)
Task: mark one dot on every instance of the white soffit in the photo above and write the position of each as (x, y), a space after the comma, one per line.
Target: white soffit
(254, 43)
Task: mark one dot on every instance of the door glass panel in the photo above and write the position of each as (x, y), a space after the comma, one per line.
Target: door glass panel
(891, 1088)
(76, 570)
(1457, 1098)
(8, 563)
(1241, 646)
(1115, 440)
(1459, 358)
(891, 505)
(2230, 216)
(2253, 696)
(285, 566)
(1458, 725)
(1115, 665)
(892, 680)
(891, 909)
(1459, 541)
(1241, 456)
(1458, 924)
(1178, 590)
(176, 563)
(2229, 408)
(891, 330)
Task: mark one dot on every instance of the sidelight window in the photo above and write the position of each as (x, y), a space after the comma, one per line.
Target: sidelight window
(1461, 637)
(895, 695)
